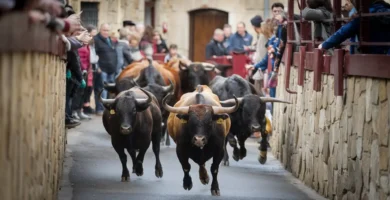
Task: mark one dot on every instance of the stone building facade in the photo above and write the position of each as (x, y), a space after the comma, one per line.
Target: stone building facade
(175, 13)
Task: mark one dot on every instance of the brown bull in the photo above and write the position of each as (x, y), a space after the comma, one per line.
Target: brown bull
(168, 73)
(199, 124)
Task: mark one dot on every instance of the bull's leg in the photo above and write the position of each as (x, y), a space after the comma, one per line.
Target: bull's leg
(217, 158)
(183, 158)
(122, 156)
(232, 140)
(139, 170)
(156, 137)
(241, 141)
(203, 176)
(133, 157)
(263, 143)
(226, 155)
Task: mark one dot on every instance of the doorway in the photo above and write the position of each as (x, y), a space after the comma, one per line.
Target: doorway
(202, 25)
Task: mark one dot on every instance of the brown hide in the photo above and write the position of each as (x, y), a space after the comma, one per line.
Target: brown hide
(175, 125)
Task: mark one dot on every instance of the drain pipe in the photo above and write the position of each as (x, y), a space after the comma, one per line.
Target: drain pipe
(266, 9)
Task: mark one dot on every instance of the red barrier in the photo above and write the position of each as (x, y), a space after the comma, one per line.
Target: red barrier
(159, 57)
(238, 63)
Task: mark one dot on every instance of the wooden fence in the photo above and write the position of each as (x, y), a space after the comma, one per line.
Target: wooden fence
(32, 109)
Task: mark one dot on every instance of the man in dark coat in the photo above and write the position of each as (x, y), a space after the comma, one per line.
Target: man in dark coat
(106, 51)
(216, 47)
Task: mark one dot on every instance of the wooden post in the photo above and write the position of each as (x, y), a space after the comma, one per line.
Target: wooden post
(318, 65)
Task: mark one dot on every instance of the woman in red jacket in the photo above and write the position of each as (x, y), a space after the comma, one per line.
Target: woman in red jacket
(86, 68)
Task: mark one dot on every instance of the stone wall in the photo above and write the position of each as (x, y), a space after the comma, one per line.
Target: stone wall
(339, 146)
(32, 130)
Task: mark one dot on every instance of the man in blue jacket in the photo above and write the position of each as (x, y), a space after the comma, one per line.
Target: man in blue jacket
(241, 40)
(379, 30)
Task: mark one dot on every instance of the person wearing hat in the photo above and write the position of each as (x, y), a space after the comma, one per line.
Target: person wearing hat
(129, 25)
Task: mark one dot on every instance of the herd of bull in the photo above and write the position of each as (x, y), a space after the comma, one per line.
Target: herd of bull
(201, 116)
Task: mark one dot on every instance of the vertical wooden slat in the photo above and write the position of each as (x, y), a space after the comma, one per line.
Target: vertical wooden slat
(318, 64)
(301, 67)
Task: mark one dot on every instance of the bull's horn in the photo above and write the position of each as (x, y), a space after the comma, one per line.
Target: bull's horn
(135, 79)
(169, 88)
(183, 66)
(109, 84)
(270, 99)
(144, 102)
(177, 110)
(231, 101)
(208, 66)
(105, 101)
(227, 110)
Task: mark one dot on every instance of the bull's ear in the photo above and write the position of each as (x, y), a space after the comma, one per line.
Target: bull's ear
(182, 116)
(220, 117)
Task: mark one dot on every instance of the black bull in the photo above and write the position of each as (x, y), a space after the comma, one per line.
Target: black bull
(250, 116)
(151, 80)
(133, 120)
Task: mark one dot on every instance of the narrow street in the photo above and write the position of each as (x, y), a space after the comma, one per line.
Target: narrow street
(95, 173)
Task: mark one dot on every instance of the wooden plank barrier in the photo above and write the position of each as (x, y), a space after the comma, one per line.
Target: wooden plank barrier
(32, 109)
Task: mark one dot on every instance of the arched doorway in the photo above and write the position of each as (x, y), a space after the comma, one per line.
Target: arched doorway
(202, 25)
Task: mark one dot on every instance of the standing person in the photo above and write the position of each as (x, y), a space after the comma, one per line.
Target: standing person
(147, 39)
(261, 51)
(227, 31)
(140, 28)
(89, 58)
(172, 53)
(160, 42)
(241, 40)
(277, 8)
(123, 50)
(107, 64)
(318, 11)
(215, 47)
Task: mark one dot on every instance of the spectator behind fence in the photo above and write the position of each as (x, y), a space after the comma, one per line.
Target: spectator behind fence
(130, 25)
(318, 11)
(227, 31)
(241, 40)
(215, 46)
(123, 50)
(351, 11)
(172, 53)
(261, 51)
(147, 39)
(272, 46)
(379, 30)
(277, 8)
(105, 49)
(161, 45)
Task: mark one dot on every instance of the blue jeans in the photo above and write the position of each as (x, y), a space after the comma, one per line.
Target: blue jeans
(272, 92)
(99, 79)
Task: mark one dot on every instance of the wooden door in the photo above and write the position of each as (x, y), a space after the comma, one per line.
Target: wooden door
(202, 26)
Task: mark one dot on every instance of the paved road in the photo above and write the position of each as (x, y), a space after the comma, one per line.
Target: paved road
(93, 172)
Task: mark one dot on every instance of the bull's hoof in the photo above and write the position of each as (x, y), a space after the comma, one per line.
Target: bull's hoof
(226, 163)
(139, 170)
(159, 172)
(125, 178)
(187, 183)
(215, 192)
(133, 170)
(242, 153)
(203, 176)
(236, 155)
(263, 157)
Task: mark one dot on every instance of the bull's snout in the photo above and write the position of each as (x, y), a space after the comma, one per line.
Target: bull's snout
(126, 129)
(255, 128)
(199, 141)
